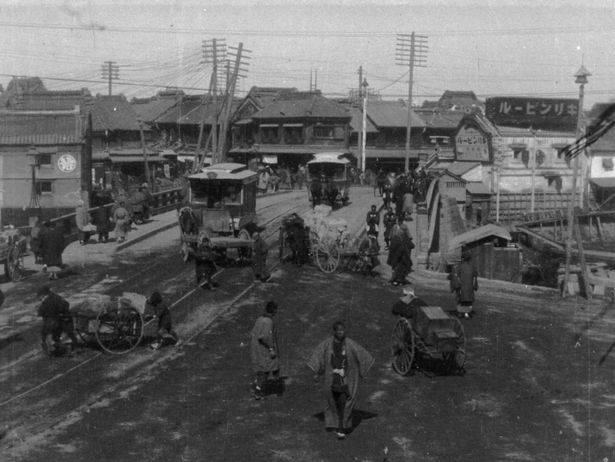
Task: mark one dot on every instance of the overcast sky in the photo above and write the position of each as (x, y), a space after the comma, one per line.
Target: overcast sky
(493, 47)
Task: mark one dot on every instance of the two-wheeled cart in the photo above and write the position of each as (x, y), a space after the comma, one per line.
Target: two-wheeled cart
(428, 336)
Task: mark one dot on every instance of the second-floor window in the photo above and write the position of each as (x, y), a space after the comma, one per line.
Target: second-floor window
(44, 160)
(269, 134)
(292, 133)
(44, 187)
(332, 132)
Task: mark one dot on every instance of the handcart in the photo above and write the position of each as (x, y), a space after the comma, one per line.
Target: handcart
(426, 336)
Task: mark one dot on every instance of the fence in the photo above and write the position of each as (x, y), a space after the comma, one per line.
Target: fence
(515, 207)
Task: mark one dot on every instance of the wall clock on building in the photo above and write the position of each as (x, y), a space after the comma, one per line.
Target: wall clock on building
(67, 163)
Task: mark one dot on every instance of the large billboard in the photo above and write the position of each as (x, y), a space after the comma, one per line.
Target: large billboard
(555, 114)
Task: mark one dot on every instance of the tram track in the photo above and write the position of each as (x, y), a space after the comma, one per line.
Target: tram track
(268, 235)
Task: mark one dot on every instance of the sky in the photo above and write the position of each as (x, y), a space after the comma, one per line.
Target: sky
(491, 47)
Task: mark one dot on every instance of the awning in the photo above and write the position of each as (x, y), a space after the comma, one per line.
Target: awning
(389, 154)
(269, 125)
(135, 159)
(478, 234)
(292, 125)
(243, 122)
(517, 146)
(477, 188)
(603, 182)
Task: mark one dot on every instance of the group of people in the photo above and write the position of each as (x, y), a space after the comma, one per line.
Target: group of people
(338, 361)
(47, 243)
(398, 241)
(272, 179)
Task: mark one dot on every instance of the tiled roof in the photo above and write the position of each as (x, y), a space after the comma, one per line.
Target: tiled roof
(435, 117)
(263, 96)
(50, 100)
(459, 168)
(301, 105)
(26, 128)
(151, 108)
(477, 187)
(205, 113)
(392, 114)
(113, 113)
(356, 123)
(184, 106)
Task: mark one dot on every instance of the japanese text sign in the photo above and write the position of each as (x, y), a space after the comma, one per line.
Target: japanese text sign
(471, 144)
(538, 113)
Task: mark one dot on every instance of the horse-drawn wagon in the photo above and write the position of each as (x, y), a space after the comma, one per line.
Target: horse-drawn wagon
(221, 204)
(427, 337)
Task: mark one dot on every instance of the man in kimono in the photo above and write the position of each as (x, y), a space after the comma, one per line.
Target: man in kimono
(342, 362)
(466, 283)
(372, 221)
(264, 351)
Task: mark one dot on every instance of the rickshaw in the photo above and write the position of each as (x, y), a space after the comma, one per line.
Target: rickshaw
(328, 176)
(222, 206)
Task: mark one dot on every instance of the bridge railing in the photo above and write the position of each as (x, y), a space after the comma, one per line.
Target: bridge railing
(515, 207)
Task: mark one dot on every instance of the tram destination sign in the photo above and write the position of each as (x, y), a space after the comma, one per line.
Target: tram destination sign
(555, 114)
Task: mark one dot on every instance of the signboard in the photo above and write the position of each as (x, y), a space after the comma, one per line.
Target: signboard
(471, 144)
(538, 113)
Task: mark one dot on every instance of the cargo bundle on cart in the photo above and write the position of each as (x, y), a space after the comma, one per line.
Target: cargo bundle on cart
(221, 205)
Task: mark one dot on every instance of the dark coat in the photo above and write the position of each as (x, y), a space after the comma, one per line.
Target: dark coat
(52, 246)
(467, 281)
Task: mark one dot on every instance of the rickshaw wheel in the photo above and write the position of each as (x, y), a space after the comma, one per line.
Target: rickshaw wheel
(119, 330)
(327, 258)
(455, 360)
(403, 347)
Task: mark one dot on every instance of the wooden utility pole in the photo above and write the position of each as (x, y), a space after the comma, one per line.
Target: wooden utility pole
(581, 79)
(411, 51)
(110, 71)
(148, 177)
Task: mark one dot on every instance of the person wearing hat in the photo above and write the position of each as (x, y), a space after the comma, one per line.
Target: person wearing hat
(158, 310)
(204, 264)
(57, 319)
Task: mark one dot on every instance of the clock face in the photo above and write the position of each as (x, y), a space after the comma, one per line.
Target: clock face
(67, 163)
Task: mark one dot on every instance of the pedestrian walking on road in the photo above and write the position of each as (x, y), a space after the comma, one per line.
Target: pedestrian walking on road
(259, 258)
(465, 284)
(35, 240)
(389, 220)
(342, 362)
(265, 354)
(372, 221)
(52, 246)
(121, 217)
(102, 215)
(82, 219)
(399, 258)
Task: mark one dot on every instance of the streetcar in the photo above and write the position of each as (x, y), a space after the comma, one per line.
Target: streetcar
(222, 206)
(328, 175)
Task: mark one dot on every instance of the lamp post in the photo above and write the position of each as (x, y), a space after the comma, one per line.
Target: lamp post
(364, 85)
(580, 78)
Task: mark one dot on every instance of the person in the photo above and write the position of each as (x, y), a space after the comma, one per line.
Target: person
(466, 283)
(399, 190)
(316, 190)
(82, 219)
(148, 201)
(35, 240)
(399, 254)
(259, 258)
(407, 304)
(57, 319)
(157, 309)
(264, 351)
(122, 221)
(389, 220)
(102, 215)
(372, 221)
(408, 204)
(300, 176)
(52, 246)
(204, 264)
(342, 362)
(369, 250)
(380, 181)
(387, 194)
(139, 205)
(263, 181)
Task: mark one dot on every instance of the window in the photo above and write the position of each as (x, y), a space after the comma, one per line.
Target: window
(44, 187)
(607, 164)
(269, 134)
(293, 134)
(518, 153)
(44, 160)
(334, 132)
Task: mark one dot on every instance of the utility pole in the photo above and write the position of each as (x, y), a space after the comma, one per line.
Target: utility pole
(240, 55)
(411, 51)
(581, 79)
(364, 86)
(214, 52)
(360, 72)
(110, 71)
(148, 177)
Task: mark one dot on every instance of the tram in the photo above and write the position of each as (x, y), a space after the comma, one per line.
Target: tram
(329, 180)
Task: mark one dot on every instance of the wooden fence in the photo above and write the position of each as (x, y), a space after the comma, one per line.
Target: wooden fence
(516, 207)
